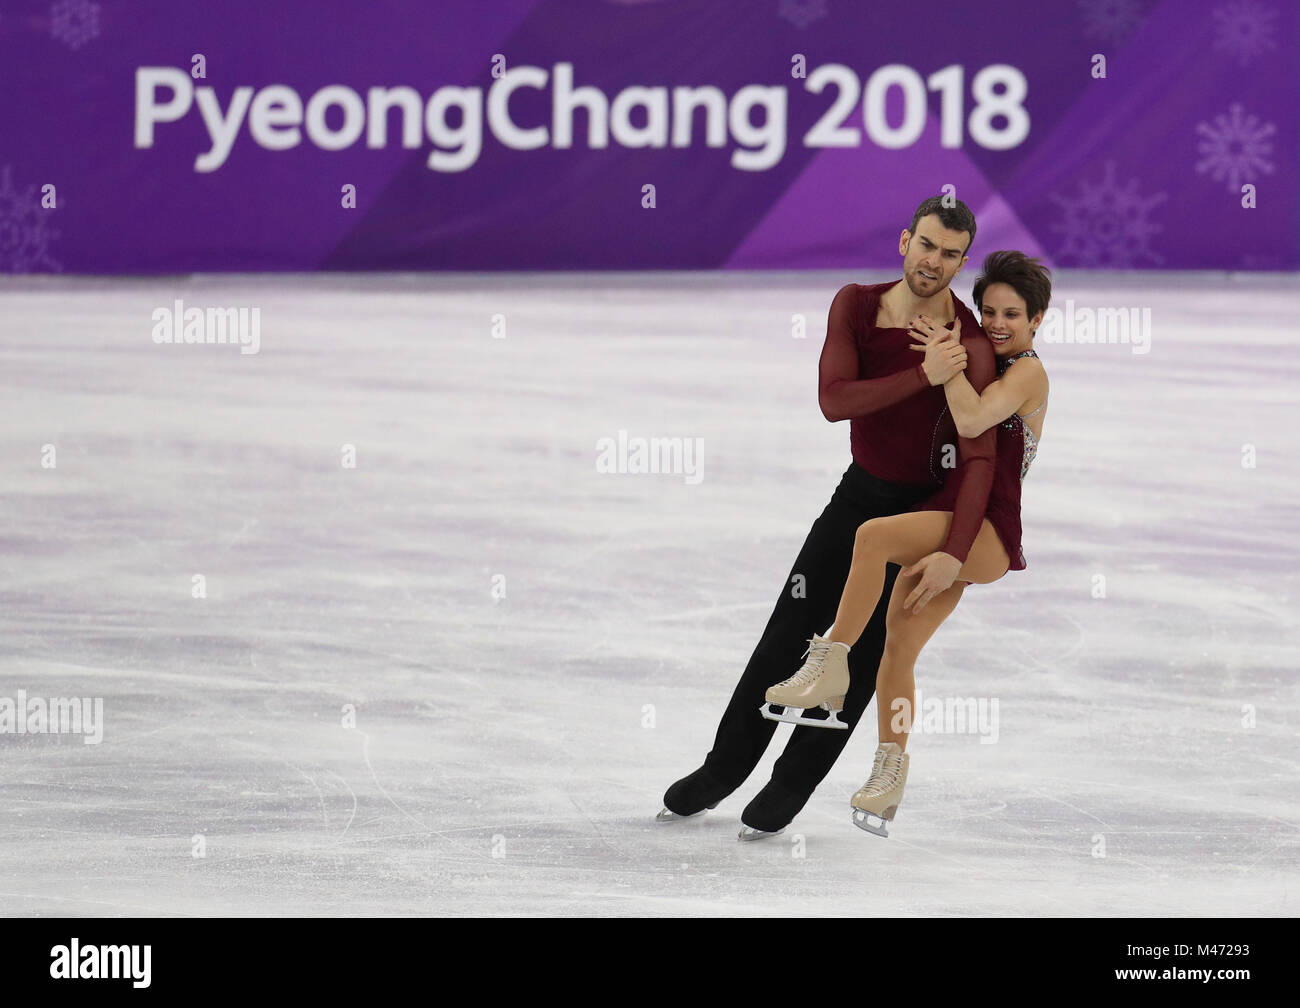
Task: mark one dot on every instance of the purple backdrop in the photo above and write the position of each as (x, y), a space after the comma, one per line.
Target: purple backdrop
(829, 122)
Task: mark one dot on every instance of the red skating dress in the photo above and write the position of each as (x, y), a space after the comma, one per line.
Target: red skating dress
(1016, 449)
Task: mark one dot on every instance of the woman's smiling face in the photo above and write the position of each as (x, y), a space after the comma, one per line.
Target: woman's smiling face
(1005, 321)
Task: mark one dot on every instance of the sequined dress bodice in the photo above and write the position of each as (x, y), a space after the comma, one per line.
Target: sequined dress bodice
(1015, 424)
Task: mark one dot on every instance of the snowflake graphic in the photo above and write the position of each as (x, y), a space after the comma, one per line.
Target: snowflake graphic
(25, 234)
(1235, 148)
(1113, 20)
(802, 13)
(74, 22)
(1106, 225)
(1244, 29)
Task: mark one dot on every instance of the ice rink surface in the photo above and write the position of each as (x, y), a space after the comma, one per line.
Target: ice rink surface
(457, 677)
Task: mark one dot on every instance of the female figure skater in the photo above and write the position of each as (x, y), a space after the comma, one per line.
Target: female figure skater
(1011, 294)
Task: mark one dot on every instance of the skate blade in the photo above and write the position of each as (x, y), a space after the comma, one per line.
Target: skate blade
(667, 815)
(862, 820)
(833, 721)
(749, 833)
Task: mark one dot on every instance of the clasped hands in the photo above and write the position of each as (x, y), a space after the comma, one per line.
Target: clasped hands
(945, 357)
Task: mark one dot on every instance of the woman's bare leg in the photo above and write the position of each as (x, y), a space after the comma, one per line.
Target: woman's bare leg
(905, 539)
(902, 539)
(905, 635)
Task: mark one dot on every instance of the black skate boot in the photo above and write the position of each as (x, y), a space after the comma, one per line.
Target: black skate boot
(693, 794)
(771, 811)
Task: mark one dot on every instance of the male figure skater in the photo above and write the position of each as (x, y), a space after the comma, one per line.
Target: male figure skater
(899, 427)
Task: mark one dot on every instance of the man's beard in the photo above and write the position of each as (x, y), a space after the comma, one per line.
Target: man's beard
(914, 277)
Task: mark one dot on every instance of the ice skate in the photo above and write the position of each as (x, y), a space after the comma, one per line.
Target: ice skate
(771, 811)
(822, 682)
(668, 815)
(875, 803)
(749, 833)
(693, 795)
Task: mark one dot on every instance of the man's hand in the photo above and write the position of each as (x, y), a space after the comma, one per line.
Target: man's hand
(945, 357)
(938, 571)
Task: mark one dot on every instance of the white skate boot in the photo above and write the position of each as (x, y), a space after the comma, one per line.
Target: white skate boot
(822, 682)
(881, 795)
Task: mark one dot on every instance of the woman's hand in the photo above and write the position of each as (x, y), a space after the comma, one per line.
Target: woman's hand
(938, 571)
(945, 357)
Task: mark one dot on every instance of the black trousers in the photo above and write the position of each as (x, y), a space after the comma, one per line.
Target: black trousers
(800, 612)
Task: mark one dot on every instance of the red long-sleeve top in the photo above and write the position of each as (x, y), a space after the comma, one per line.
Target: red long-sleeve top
(898, 420)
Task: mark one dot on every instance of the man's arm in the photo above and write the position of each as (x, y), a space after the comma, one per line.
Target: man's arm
(840, 393)
(975, 458)
(975, 461)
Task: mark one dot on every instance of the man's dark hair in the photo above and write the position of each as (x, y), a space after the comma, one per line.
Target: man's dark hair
(1027, 277)
(955, 218)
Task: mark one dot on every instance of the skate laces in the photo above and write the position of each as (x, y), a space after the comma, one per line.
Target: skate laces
(884, 773)
(813, 667)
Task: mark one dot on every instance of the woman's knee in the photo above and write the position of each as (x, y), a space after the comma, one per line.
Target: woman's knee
(867, 531)
(871, 535)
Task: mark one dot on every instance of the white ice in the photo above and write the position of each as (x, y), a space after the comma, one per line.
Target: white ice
(509, 753)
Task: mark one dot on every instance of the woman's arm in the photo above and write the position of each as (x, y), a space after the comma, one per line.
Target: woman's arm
(974, 413)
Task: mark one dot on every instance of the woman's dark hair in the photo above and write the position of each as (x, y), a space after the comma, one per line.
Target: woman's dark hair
(1027, 277)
